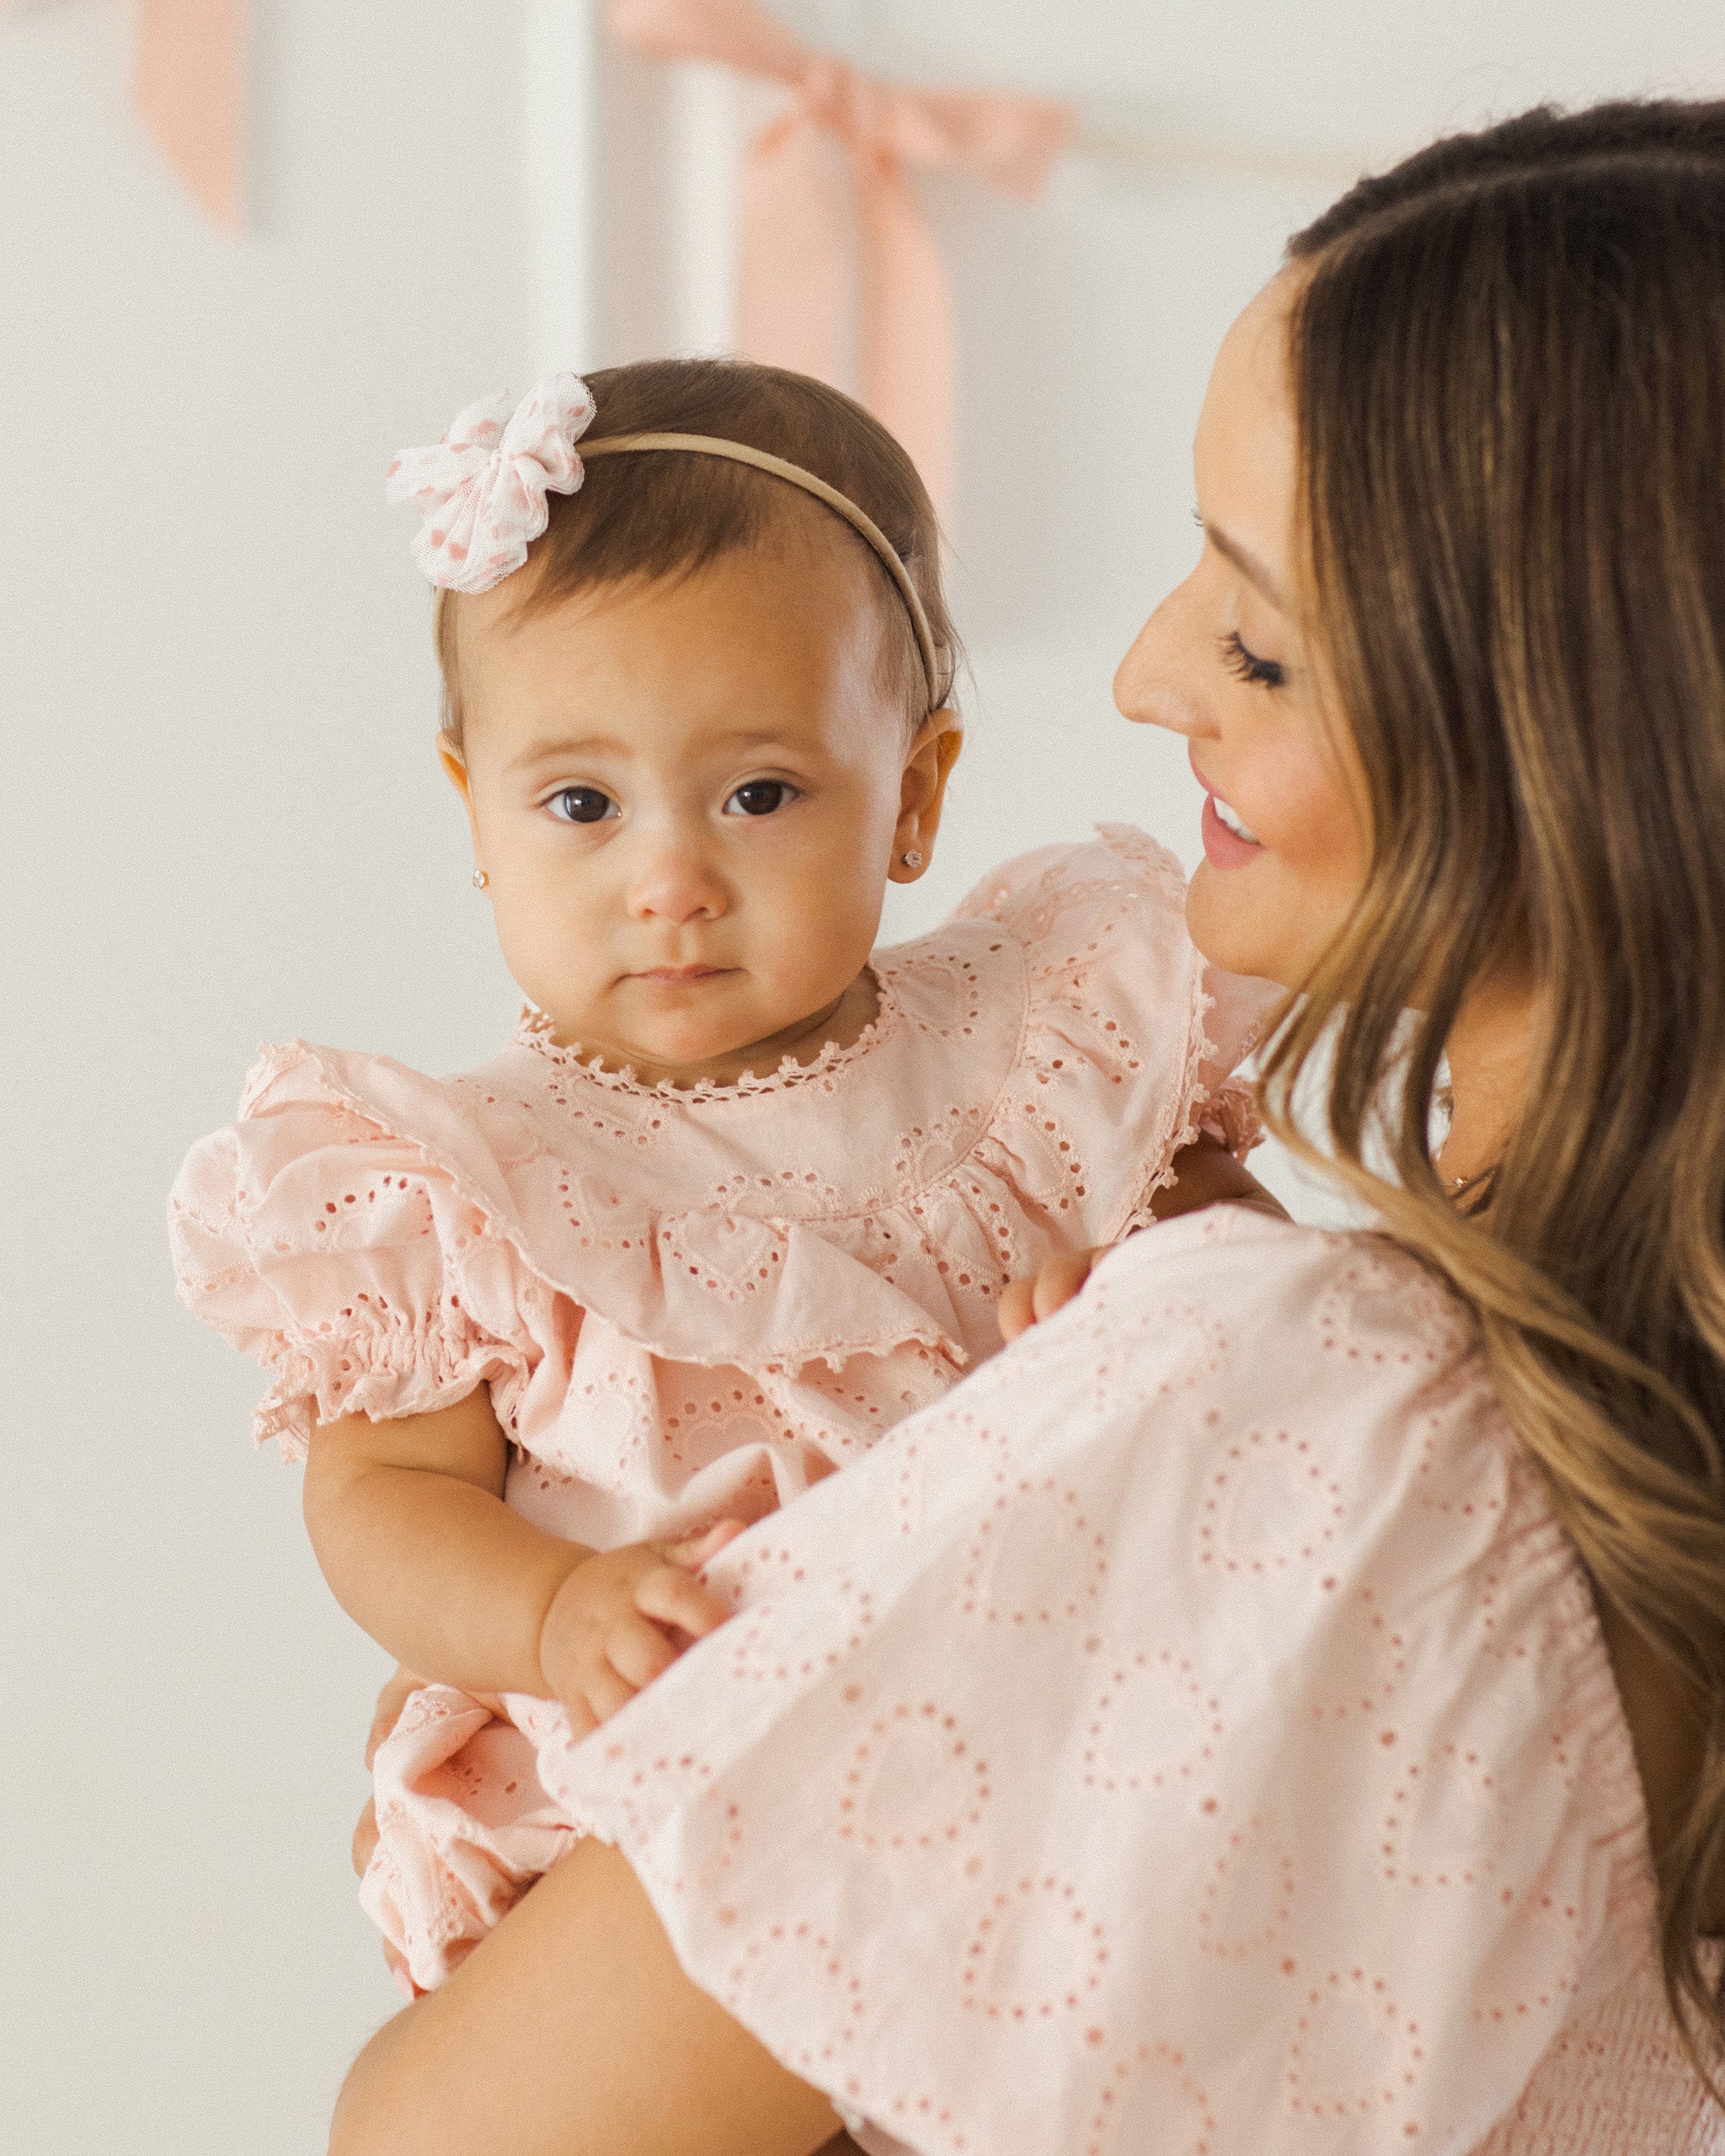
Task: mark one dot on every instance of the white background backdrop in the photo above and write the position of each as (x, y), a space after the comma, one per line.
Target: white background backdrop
(223, 820)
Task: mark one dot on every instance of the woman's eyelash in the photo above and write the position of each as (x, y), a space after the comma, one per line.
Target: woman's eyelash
(1266, 673)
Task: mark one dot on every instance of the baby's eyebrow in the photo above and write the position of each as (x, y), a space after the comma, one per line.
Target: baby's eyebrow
(729, 739)
(545, 752)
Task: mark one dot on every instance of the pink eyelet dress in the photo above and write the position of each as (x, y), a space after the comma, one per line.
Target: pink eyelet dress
(1194, 1736)
(691, 1304)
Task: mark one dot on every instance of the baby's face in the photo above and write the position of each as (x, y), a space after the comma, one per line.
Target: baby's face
(687, 797)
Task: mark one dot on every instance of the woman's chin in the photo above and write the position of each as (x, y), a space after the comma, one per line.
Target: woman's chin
(1226, 919)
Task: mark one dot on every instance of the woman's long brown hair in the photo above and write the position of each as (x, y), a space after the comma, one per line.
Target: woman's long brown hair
(1509, 368)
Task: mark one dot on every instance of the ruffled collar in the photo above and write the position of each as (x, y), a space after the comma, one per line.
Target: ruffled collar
(534, 1032)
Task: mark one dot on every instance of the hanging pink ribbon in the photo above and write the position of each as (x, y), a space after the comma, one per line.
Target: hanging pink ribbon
(793, 299)
(189, 83)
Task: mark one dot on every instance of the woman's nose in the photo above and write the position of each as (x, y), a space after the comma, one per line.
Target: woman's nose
(677, 883)
(1160, 681)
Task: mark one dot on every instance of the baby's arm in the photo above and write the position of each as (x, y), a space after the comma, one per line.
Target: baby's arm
(408, 1520)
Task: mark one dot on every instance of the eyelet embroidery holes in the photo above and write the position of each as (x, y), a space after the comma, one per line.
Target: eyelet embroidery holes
(1344, 2025)
(1034, 1953)
(1385, 1313)
(703, 1427)
(1035, 1560)
(771, 1647)
(1248, 1896)
(796, 1193)
(941, 994)
(1367, 1656)
(1153, 1725)
(1150, 2099)
(914, 1783)
(1271, 1506)
(799, 1960)
(749, 1256)
(927, 1152)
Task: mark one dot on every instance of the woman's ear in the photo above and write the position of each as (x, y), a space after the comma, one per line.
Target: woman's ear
(928, 765)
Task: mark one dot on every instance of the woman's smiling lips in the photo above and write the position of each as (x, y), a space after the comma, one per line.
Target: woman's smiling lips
(1223, 846)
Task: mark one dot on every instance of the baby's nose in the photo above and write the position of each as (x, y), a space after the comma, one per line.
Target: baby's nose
(676, 883)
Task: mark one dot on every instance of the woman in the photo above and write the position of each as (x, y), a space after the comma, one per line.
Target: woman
(1283, 1591)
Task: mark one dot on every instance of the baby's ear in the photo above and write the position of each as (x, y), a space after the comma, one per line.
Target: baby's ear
(928, 765)
(454, 763)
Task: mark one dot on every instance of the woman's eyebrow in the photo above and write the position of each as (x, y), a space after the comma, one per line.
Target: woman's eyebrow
(1247, 563)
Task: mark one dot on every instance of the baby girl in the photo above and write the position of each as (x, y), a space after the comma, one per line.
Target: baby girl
(742, 1192)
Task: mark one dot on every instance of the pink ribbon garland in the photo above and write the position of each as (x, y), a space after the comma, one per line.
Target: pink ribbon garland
(188, 83)
(793, 298)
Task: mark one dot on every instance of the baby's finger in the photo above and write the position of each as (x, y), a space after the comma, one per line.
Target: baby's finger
(671, 1596)
(1060, 1280)
(583, 1721)
(638, 1651)
(693, 1554)
(1017, 1312)
(606, 1691)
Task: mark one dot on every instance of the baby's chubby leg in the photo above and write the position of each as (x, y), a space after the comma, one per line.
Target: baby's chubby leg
(572, 2031)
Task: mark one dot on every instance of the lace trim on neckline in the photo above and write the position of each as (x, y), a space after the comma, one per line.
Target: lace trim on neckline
(534, 1032)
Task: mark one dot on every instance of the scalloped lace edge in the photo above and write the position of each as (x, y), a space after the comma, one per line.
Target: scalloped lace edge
(534, 1031)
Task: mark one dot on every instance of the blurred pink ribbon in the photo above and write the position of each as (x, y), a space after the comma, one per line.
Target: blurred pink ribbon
(188, 84)
(188, 78)
(793, 299)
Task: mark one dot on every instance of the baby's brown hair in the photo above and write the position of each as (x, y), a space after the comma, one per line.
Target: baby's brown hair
(667, 514)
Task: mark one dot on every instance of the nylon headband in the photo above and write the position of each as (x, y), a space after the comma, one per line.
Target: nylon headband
(740, 453)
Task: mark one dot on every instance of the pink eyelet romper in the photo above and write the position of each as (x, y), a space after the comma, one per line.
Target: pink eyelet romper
(690, 1305)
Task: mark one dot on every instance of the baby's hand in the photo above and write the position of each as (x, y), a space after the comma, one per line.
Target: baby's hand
(622, 1617)
(1024, 1303)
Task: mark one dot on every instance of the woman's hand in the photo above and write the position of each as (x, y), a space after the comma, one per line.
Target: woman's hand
(622, 1617)
(1025, 1303)
(1205, 1173)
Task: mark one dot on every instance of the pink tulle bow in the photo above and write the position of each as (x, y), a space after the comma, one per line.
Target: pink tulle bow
(792, 303)
(482, 489)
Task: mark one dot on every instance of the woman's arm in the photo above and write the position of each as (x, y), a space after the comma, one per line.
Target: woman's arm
(408, 1520)
(571, 2030)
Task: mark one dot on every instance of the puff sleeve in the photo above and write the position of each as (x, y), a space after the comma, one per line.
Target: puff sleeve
(1195, 1733)
(339, 1257)
(1129, 1027)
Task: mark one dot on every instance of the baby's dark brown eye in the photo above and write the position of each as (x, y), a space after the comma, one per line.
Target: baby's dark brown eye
(759, 797)
(581, 804)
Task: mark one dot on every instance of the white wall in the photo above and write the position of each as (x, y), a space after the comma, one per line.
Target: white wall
(222, 821)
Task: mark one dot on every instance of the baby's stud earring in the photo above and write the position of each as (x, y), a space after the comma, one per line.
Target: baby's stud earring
(480, 880)
(911, 858)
